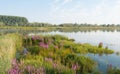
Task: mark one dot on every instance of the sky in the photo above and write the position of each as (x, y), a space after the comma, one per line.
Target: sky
(64, 11)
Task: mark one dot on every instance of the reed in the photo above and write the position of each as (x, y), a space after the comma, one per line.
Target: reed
(8, 45)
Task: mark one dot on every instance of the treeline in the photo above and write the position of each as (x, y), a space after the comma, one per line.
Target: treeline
(12, 20)
(88, 25)
(36, 24)
(22, 21)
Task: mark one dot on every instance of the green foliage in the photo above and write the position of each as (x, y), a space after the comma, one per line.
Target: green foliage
(34, 60)
(113, 71)
(69, 60)
(95, 49)
(34, 50)
(36, 24)
(13, 20)
(85, 64)
(56, 68)
(59, 37)
(80, 49)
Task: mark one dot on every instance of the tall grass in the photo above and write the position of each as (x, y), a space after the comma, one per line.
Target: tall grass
(8, 45)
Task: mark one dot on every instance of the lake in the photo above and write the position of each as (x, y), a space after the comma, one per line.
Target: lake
(108, 38)
(111, 39)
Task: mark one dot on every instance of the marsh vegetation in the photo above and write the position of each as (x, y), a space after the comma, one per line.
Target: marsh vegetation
(49, 54)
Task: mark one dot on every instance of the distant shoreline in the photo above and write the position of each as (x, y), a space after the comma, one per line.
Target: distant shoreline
(58, 28)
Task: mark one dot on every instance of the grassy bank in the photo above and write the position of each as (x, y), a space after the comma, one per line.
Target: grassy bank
(8, 45)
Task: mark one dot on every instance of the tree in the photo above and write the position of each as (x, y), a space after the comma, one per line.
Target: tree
(12, 20)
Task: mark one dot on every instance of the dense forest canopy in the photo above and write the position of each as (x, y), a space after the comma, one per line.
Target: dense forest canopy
(22, 21)
(13, 20)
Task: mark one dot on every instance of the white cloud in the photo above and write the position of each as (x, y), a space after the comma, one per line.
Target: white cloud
(107, 11)
(56, 1)
(66, 1)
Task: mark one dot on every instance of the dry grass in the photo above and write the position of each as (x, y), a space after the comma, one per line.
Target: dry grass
(8, 45)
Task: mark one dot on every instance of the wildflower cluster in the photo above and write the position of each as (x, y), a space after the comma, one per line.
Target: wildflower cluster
(21, 68)
(42, 44)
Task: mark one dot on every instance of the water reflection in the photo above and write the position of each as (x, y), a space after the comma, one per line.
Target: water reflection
(105, 60)
(5, 31)
(110, 38)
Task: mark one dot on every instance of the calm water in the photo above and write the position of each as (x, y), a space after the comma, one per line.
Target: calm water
(110, 39)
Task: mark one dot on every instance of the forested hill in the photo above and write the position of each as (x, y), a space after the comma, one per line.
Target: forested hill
(12, 20)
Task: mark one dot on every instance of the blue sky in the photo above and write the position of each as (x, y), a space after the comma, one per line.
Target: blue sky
(64, 11)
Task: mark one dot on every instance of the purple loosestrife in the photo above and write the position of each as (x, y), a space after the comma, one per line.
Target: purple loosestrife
(74, 67)
(56, 47)
(14, 62)
(42, 44)
(110, 66)
(37, 38)
(100, 45)
(28, 68)
(54, 65)
(50, 41)
(49, 59)
(40, 71)
(18, 69)
(15, 68)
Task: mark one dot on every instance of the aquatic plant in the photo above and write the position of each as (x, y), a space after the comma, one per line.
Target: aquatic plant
(112, 70)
